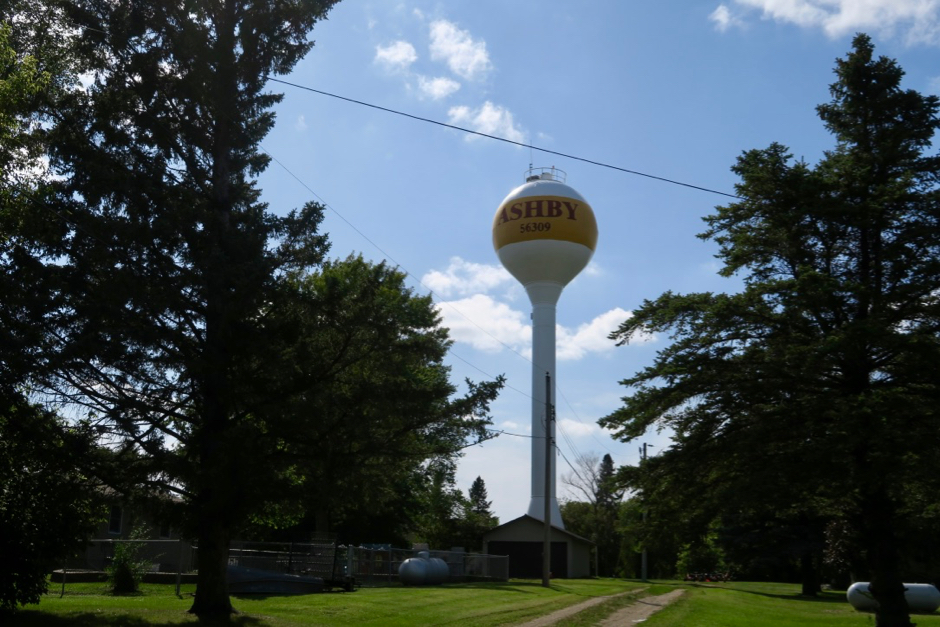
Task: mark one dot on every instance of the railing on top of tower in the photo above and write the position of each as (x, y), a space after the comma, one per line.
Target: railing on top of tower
(545, 174)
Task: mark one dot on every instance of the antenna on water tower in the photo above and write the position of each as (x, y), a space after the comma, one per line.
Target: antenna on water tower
(544, 233)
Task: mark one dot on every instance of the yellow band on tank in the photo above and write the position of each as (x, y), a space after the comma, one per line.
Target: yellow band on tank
(531, 218)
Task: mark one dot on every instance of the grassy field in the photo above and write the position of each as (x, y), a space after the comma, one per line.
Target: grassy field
(742, 604)
(733, 604)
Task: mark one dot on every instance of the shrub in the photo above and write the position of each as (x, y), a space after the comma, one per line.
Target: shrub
(127, 568)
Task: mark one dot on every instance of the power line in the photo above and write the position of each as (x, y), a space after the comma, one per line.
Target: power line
(518, 435)
(503, 139)
(578, 418)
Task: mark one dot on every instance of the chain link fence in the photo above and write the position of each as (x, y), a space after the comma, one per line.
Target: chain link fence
(367, 565)
(176, 562)
(167, 562)
(378, 566)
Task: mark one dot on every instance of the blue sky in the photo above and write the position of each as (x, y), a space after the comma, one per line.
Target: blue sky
(675, 89)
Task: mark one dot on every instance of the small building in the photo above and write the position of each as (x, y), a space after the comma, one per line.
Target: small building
(522, 540)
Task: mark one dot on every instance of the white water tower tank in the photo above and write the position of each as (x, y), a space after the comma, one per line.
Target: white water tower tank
(544, 230)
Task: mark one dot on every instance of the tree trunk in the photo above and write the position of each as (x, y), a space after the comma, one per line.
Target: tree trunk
(212, 602)
(883, 561)
(808, 575)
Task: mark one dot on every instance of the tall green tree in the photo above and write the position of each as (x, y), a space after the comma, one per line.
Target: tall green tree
(476, 518)
(824, 368)
(160, 284)
(377, 412)
(478, 497)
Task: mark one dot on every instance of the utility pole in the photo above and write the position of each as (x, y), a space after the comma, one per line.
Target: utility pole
(547, 541)
(643, 558)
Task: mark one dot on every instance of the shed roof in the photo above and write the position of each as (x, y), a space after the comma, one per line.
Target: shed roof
(527, 518)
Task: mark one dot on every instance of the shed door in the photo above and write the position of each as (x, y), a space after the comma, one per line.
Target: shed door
(525, 558)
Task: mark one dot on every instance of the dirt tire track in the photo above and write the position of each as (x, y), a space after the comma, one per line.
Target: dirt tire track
(641, 610)
(554, 617)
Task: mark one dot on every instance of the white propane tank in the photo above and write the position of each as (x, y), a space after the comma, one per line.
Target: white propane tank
(922, 598)
(423, 571)
(413, 571)
(437, 571)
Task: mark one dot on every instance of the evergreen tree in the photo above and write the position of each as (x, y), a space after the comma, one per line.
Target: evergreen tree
(155, 294)
(821, 375)
(477, 493)
(595, 480)
(609, 494)
(476, 518)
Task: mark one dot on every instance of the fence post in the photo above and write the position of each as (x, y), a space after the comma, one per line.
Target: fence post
(179, 568)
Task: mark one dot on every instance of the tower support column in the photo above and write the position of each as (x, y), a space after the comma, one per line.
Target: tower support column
(544, 298)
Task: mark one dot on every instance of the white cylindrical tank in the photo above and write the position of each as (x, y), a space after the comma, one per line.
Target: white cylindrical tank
(413, 571)
(437, 571)
(544, 233)
(423, 570)
(921, 597)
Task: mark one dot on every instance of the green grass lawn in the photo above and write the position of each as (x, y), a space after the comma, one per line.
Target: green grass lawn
(466, 604)
(735, 604)
(743, 604)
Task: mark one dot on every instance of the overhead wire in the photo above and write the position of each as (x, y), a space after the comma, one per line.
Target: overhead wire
(503, 139)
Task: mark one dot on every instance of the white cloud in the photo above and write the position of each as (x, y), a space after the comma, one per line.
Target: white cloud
(490, 119)
(463, 278)
(578, 429)
(396, 56)
(724, 18)
(491, 326)
(437, 88)
(301, 124)
(464, 56)
(418, 13)
(918, 21)
(593, 269)
(592, 337)
(485, 324)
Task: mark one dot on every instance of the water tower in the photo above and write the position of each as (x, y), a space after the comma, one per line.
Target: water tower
(544, 233)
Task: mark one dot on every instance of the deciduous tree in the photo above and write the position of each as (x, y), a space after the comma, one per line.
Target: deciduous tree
(47, 507)
(375, 414)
